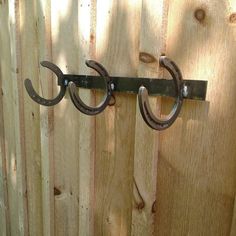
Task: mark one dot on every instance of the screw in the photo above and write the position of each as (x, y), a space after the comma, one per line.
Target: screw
(66, 82)
(112, 86)
(185, 91)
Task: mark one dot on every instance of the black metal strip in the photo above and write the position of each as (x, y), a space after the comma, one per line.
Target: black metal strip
(195, 89)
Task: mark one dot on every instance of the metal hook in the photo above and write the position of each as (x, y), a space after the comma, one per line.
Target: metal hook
(47, 102)
(79, 104)
(148, 116)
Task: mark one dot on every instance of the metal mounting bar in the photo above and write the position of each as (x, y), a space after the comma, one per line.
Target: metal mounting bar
(192, 89)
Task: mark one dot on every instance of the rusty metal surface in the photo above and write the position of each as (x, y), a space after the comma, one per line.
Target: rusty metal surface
(60, 80)
(163, 123)
(79, 104)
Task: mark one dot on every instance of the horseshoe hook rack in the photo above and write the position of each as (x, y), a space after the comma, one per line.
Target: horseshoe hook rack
(177, 87)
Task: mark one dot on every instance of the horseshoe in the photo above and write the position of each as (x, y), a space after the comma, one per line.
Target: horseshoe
(79, 104)
(37, 98)
(146, 112)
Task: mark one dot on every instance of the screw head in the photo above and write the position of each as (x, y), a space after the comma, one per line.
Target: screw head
(185, 90)
(112, 86)
(66, 82)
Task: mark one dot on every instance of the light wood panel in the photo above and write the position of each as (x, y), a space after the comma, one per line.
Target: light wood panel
(30, 113)
(18, 104)
(16, 219)
(146, 140)
(118, 26)
(66, 130)
(46, 116)
(4, 206)
(86, 142)
(196, 166)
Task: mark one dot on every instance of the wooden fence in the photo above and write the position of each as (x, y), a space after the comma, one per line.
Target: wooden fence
(64, 173)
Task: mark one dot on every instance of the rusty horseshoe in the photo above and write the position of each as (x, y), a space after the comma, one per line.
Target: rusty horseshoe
(79, 104)
(146, 112)
(47, 102)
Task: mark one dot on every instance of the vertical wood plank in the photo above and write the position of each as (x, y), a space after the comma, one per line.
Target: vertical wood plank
(4, 206)
(87, 46)
(196, 166)
(15, 164)
(8, 145)
(18, 104)
(233, 222)
(66, 130)
(30, 114)
(118, 26)
(152, 45)
(46, 116)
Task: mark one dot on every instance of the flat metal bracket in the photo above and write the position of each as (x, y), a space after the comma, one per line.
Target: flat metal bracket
(192, 89)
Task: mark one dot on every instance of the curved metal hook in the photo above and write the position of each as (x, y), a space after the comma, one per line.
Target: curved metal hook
(147, 114)
(47, 102)
(79, 104)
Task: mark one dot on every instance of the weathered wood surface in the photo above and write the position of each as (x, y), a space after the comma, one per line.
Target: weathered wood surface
(64, 173)
(4, 205)
(66, 129)
(118, 26)
(153, 19)
(30, 113)
(87, 50)
(46, 117)
(233, 223)
(12, 143)
(196, 165)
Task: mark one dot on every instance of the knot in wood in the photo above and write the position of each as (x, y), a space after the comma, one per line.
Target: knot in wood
(232, 18)
(146, 57)
(200, 15)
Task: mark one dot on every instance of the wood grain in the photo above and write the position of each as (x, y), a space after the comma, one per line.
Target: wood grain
(4, 205)
(146, 139)
(46, 116)
(18, 95)
(64, 173)
(87, 46)
(16, 218)
(30, 114)
(66, 128)
(196, 166)
(118, 26)
(233, 222)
